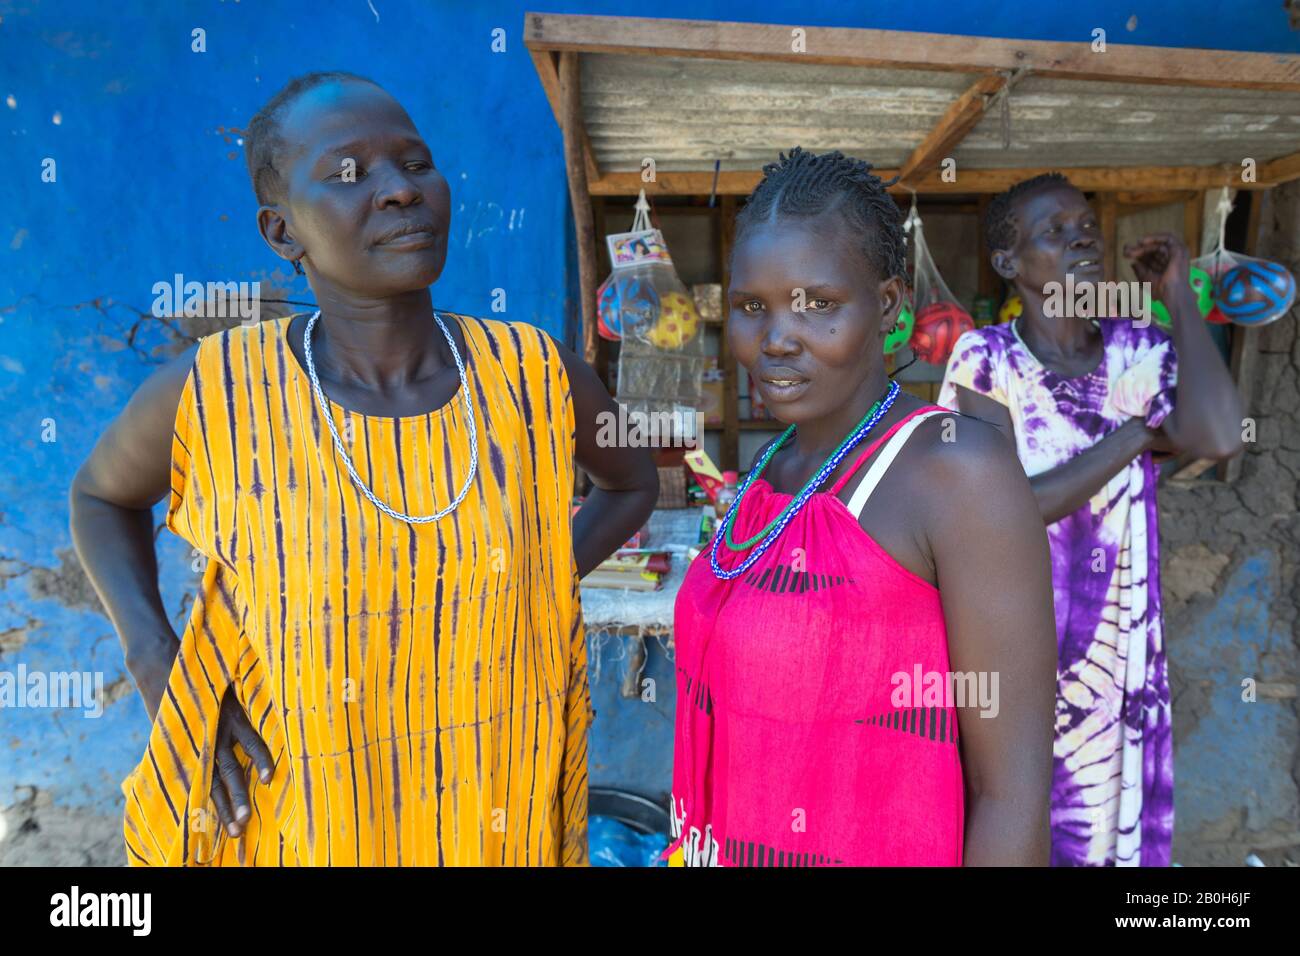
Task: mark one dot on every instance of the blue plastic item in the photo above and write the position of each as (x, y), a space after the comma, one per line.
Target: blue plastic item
(611, 843)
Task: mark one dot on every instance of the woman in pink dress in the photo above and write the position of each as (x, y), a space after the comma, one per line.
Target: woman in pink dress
(866, 652)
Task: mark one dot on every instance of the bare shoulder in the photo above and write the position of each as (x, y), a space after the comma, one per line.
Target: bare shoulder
(156, 399)
(129, 465)
(964, 458)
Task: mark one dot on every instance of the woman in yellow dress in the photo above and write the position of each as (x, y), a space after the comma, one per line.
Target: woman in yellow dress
(388, 627)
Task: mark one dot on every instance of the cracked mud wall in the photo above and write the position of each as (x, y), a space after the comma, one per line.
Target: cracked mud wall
(1231, 580)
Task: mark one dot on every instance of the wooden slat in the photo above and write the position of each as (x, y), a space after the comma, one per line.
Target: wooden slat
(1090, 179)
(962, 117)
(1192, 211)
(547, 68)
(580, 198)
(1280, 170)
(905, 50)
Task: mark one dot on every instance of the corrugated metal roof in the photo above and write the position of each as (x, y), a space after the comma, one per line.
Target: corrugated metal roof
(1122, 124)
(685, 113)
(688, 112)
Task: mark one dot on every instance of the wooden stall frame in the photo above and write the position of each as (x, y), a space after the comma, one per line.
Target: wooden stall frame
(555, 41)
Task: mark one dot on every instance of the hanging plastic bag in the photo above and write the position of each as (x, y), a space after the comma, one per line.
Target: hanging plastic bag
(1245, 290)
(619, 294)
(661, 362)
(940, 320)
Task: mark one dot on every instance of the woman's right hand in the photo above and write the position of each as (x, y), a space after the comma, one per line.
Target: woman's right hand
(229, 788)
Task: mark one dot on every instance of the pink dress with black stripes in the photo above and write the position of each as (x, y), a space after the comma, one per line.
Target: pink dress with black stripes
(812, 725)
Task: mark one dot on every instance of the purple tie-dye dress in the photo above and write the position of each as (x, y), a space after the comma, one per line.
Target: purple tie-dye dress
(1112, 787)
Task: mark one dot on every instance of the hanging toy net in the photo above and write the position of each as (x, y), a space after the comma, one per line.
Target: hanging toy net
(939, 320)
(644, 305)
(1234, 287)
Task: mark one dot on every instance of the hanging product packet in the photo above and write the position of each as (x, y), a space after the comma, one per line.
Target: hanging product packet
(1238, 288)
(645, 305)
(938, 319)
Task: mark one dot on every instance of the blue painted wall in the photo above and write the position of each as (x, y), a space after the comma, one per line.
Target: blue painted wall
(151, 182)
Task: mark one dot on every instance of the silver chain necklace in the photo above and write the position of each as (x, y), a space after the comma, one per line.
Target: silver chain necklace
(347, 459)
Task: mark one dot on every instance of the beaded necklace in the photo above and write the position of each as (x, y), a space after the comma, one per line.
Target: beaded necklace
(773, 531)
(780, 442)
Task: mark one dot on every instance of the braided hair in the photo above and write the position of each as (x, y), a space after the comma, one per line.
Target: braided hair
(805, 184)
(263, 144)
(1000, 230)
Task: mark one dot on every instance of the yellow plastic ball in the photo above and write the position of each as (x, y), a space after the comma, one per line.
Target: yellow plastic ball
(678, 321)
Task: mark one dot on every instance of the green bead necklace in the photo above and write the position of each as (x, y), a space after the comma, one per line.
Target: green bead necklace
(775, 447)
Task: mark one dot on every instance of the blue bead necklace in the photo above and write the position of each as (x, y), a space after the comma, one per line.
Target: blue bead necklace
(804, 495)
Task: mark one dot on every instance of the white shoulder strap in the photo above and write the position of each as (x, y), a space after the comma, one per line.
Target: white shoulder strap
(885, 459)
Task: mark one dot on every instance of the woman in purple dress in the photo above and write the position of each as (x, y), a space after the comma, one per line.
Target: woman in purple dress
(1086, 403)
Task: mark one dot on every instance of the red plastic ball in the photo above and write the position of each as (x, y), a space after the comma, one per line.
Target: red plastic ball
(938, 327)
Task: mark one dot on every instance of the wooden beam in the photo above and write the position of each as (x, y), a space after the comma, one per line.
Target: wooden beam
(1153, 197)
(849, 46)
(1119, 179)
(676, 184)
(580, 199)
(547, 65)
(1280, 170)
(959, 119)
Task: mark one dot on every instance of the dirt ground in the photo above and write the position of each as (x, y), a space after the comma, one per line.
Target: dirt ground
(35, 832)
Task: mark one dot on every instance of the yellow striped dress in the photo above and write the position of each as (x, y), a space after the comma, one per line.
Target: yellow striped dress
(422, 687)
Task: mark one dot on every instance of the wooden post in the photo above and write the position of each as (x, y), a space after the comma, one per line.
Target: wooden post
(1245, 340)
(583, 226)
(730, 452)
(1193, 209)
(602, 346)
(1109, 232)
(989, 281)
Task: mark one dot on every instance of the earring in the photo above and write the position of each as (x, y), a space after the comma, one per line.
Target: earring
(297, 267)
